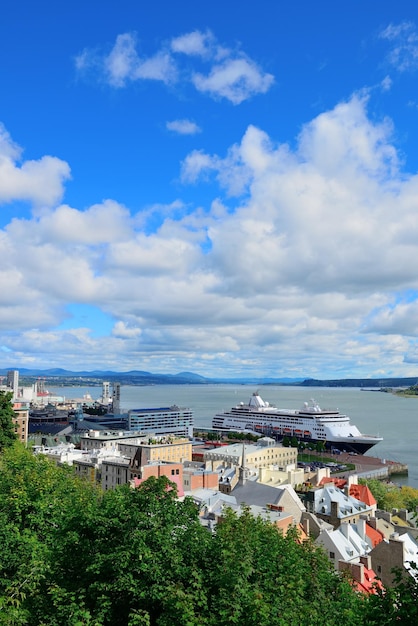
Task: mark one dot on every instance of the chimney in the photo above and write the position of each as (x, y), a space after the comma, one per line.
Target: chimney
(366, 561)
(361, 528)
(344, 529)
(357, 571)
(335, 509)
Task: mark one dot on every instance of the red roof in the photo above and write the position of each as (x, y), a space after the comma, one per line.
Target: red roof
(340, 483)
(362, 493)
(370, 582)
(374, 535)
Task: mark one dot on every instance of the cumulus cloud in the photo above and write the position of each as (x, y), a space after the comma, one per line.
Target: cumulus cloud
(122, 330)
(234, 79)
(100, 223)
(123, 64)
(303, 253)
(183, 127)
(231, 75)
(40, 182)
(195, 43)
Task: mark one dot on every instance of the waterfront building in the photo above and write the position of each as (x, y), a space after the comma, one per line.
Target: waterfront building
(116, 398)
(164, 420)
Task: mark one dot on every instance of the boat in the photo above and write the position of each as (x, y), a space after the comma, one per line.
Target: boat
(310, 423)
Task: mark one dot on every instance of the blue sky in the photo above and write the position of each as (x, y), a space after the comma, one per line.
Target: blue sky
(225, 188)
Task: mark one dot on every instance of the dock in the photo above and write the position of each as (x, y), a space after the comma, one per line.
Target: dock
(373, 468)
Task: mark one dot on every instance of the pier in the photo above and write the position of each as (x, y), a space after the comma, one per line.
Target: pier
(372, 467)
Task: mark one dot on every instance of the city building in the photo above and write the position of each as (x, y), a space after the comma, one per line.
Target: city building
(114, 472)
(170, 449)
(164, 420)
(95, 439)
(21, 420)
(364, 578)
(347, 543)
(13, 382)
(197, 476)
(399, 552)
(62, 453)
(263, 454)
(334, 506)
(172, 471)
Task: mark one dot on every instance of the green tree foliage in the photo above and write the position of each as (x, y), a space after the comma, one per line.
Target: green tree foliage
(258, 577)
(7, 427)
(73, 555)
(397, 605)
(390, 496)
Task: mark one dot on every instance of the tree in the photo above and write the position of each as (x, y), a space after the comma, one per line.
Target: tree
(390, 496)
(72, 554)
(256, 576)
(7, 426)
(396, 605)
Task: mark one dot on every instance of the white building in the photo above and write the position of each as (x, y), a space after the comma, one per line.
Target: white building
(347, 543)
(13, 382)
(164, 420)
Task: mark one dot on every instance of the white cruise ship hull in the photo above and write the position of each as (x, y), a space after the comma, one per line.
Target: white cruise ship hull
(310, 424)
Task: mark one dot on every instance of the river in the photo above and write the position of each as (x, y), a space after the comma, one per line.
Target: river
(375, 413)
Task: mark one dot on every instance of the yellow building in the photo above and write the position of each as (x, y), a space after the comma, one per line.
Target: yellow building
(265, 453)
(173, 451)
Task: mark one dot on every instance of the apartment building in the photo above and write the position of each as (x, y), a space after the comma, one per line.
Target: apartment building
(21, 420)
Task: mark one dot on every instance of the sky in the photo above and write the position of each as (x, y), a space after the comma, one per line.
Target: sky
(225, 188)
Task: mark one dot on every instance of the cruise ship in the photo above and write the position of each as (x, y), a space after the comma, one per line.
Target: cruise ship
(308, 424)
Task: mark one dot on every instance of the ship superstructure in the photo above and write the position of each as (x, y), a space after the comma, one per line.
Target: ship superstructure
(308, 424)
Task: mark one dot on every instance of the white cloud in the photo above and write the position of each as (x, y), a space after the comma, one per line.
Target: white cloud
(122, 330)
(234, 79)
(100, 223)
(194, 43)
(317, 260)
(404, 39)
(183, 127)
(123, 64)
(232, 75)
(159, 67)
(395, 319)
(40, 182)
(195, 163)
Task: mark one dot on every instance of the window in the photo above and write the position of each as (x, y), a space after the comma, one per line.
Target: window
(332, 555)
